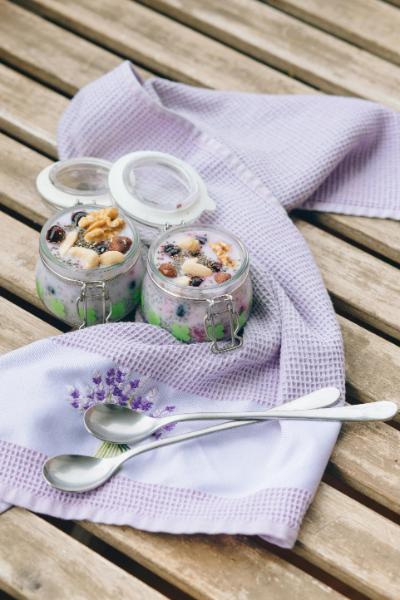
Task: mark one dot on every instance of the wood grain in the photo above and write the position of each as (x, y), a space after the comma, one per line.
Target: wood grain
(27, 41)
(370, 24)
(164, 46)
(282, 41)
(380, 235)
(29, 111)
(360, 284)
(40, 562)
(19, 327)
(207, 567)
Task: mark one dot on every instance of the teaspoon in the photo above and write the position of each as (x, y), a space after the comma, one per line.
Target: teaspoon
(78, 473)
(121, 425)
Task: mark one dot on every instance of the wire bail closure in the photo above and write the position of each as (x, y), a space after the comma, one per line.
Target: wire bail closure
(82, 302)
(217, 307)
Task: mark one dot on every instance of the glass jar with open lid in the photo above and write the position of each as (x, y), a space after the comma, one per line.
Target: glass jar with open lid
(197, 283)
(90, 268)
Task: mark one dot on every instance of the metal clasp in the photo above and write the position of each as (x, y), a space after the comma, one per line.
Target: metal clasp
(82, 307)
(216, 308)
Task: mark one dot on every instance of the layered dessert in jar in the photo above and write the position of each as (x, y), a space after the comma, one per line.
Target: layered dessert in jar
(90, 269)
(197, 284)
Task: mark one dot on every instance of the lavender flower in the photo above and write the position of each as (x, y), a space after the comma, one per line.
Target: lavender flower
(115, 386)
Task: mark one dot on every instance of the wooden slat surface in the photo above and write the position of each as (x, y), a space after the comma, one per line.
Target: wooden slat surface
(27, 41)
(164, 46)
(204, 566)
(40, 562)
(370, 24)
(339, 535)
(382, 236)
(334, 520)
(288, 44)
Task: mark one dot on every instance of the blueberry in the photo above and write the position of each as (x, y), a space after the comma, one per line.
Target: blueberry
(77, 216)
(216, 266)
(132, 285)
(55, 234)
(51, 290)
(196, 281)
(171, 249)
(101, 248)
(180, 311)
(202, 239)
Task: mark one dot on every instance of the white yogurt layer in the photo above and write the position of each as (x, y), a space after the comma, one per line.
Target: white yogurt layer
(202, 259)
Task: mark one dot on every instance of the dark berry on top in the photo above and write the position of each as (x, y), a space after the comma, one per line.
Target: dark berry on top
(202, 239)
(132, 285)
(180, 311)
(196, 281)
(171, 249)
(77, 216)
(101, 248)
(215, 265)
(55, 234)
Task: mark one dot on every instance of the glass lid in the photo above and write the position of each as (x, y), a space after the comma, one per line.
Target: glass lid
(75, 181)
(158, 189)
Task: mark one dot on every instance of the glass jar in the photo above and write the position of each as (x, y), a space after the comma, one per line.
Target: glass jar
(82, 297)
(216, 312)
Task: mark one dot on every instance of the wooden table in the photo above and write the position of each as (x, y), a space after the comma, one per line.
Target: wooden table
(349, 544)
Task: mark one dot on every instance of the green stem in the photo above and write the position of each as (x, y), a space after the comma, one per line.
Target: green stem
(109, 449)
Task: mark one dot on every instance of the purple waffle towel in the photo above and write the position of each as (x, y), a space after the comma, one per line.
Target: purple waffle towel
(258, 155)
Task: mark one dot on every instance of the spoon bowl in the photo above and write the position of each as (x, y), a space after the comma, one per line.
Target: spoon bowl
(78, 473)
(127, 425)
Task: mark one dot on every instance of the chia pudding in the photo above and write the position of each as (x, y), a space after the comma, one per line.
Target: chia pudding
(90, 268)
(192, 270)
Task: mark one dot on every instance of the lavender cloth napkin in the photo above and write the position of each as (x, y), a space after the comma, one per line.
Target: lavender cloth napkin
(258, 155)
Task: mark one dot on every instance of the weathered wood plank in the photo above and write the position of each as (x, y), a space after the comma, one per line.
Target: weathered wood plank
(370, 24)
(288, 44)
(361, 285)
(338, 535)
(38, 561)
(29, 111)
(363, 466)
(380, 235)
(207, 567)
(19, 327)
(27, 41)
(352, 542)
(164, 46)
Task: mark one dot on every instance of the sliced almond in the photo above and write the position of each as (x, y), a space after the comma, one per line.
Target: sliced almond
(190, 244)
(69, 241)
(89, 258)
(195, 269)
(111, 257)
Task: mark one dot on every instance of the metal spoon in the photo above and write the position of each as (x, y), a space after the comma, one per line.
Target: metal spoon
(77, 473)
(114, 423)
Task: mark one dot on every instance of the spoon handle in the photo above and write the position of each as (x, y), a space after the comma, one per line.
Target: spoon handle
(374, 411)
(318, 399)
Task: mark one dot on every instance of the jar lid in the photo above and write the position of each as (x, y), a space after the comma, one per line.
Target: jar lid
(158, 189)
(67, 183)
